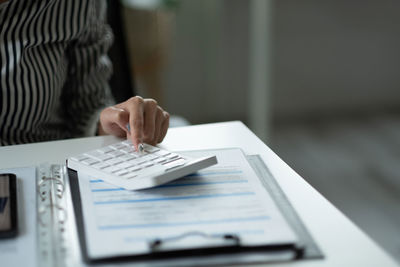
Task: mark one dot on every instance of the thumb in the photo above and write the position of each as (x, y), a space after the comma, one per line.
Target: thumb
(113, 121)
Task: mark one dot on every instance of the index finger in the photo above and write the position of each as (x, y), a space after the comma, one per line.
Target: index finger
(136, 121)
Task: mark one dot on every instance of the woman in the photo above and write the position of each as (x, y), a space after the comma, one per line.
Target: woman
(54, 76)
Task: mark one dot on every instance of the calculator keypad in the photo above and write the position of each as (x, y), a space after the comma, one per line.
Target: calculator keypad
(122, 160)
(120, 164)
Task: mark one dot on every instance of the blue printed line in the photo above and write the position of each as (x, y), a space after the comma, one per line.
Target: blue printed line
(204, 183)
(175, 185)
(213, 173)
(108, 189)
(173, 198)
(96, 181)
(155, 225)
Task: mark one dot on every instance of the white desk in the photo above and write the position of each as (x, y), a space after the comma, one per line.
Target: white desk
(342, 242)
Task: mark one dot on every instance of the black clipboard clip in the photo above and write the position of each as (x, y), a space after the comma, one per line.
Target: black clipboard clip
(156, 244)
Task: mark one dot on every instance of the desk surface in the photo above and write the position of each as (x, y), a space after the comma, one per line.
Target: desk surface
(342, 242)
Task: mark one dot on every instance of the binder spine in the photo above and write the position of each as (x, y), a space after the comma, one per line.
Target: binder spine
(52, 216)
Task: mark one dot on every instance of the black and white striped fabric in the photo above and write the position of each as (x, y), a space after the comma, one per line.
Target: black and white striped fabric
(54, 68)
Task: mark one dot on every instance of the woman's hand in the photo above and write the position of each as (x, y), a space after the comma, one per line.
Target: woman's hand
(147, 121)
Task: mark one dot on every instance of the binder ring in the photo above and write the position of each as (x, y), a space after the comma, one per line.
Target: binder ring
(58, 182)
(47, 208)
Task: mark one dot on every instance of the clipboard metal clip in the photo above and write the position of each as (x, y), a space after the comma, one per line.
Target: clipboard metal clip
(156, 244)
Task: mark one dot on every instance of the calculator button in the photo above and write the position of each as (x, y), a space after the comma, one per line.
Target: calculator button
(150, 157)
(129, 175)
(127, 149)
(171, 160)
(160, 160)
(142, 153)
(125, 165)
(121, 172)
(174, 164)
(89, 161)
(148, 164)
(117, 146)
(79, 157)
(112, 169)
(151, 149)
(114, 161)
(116, 153)
(99, 156)
(128, 158)
(172, 156)
(162, 153)
(134, 168)
(105, 150)
(139, 161)
(101, 165)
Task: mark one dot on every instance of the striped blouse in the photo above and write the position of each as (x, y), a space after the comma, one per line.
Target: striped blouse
(54, 68)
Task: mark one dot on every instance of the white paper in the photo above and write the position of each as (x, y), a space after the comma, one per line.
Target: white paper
(227, 198)
(21, 250)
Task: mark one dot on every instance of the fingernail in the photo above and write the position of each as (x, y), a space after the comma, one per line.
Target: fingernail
(141, 148)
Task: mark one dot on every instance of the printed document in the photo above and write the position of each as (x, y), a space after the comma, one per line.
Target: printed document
(227, 198)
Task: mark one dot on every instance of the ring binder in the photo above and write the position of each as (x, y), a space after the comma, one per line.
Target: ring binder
(157, 243)
(52, 215)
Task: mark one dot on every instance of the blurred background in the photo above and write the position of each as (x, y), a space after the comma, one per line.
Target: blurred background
(318, 81)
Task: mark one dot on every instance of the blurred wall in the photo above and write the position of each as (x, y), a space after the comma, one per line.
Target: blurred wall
(336, 56)
(330, 57)
(207, 77)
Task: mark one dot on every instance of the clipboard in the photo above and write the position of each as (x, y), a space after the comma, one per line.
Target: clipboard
(228, 251)
(291, 251)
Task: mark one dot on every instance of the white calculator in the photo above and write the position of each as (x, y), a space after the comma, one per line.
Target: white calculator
(120, 164)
